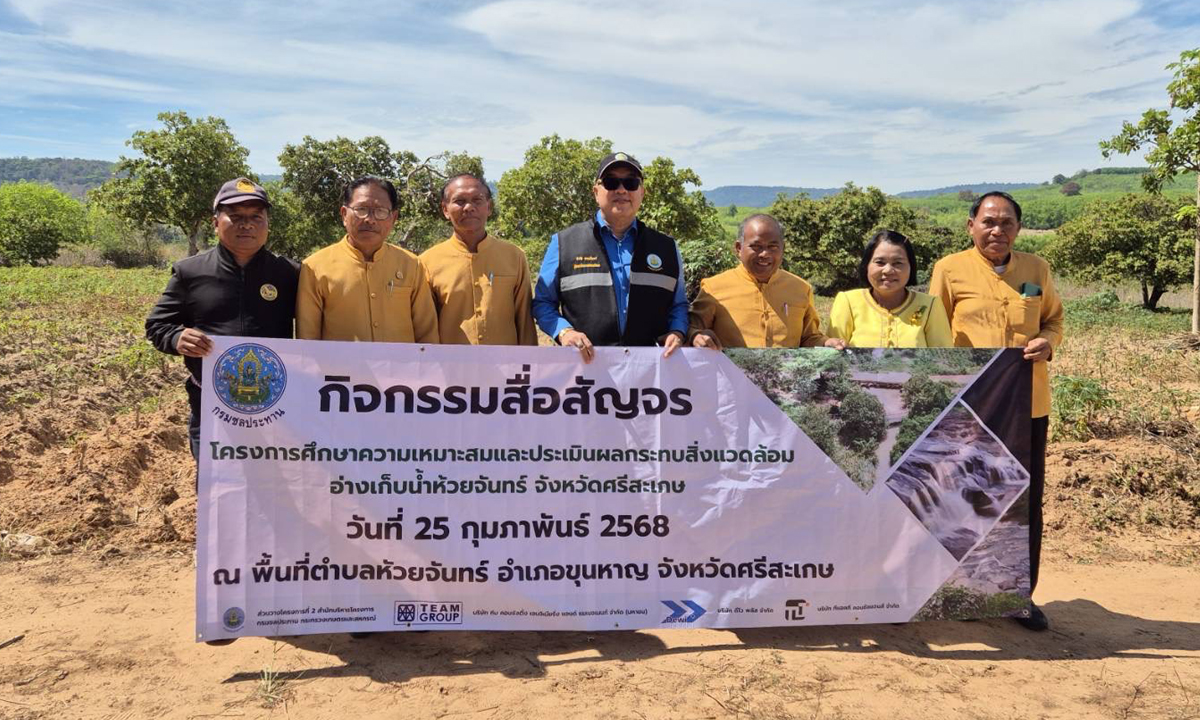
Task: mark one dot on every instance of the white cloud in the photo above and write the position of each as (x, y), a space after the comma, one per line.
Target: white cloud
(806, 93)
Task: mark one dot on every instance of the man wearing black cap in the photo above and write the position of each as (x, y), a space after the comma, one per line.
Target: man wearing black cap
(611, 280)
(236, 288)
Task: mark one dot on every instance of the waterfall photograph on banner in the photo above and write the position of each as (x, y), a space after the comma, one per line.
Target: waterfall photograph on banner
(896, 420)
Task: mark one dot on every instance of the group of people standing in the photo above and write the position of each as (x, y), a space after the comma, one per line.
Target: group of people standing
(610, 280)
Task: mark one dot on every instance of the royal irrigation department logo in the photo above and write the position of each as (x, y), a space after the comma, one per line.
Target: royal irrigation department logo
(233, 618)
(249, 378)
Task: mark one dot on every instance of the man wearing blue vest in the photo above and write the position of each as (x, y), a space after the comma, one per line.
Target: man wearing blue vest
(611, 280)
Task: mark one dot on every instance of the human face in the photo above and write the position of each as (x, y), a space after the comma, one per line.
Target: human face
(467, 207)
(888, 270)
(242, 227)
(619, 207)
(760, 249)
(994, 229)
(368, 233)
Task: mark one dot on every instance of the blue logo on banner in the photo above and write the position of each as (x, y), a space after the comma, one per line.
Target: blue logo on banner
(233, 618)
(249, 378)
(679, 609)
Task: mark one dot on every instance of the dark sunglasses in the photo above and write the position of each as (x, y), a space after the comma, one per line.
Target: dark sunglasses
(612, 183)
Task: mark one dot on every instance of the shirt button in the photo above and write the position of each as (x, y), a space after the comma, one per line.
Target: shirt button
(375, 324)
(372, 294)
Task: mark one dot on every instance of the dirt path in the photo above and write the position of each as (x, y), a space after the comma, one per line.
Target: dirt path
(112, 639)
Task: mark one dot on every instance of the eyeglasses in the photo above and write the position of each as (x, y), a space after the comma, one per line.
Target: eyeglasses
(378, 213)
(612, 183)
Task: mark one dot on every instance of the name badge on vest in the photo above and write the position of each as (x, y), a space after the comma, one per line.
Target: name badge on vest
(653, 262)
(268, 292)
(586, 261)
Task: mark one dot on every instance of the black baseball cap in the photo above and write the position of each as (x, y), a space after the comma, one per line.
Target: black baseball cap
(619, 158)
(240, 190)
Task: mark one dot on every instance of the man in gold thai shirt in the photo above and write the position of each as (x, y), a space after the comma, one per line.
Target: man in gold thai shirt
(480, 283)
(362, 287)
(757, 303)
(998, 297)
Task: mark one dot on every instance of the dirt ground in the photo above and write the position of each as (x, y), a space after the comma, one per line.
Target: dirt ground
(113, 639)
(97, 622)
(106, 629)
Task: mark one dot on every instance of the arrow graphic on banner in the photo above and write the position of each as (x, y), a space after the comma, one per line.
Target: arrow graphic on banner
(678, 611)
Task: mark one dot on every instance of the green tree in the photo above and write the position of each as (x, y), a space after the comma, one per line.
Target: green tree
(553, 190)
(825, 238)
(35, 220)
(1174, 148)
(316, 173)
(1059, 179)
(967, 195)
(923, 395)
(732, 211)
(173, 182)
(687, 216)
(863, 421)
(120, 242)
(1136, 237)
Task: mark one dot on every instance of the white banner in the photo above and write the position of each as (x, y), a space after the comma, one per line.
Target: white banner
(380, 487)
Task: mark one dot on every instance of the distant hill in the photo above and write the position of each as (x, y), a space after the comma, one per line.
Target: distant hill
(757, 196)
(73, 176)
(977, 187)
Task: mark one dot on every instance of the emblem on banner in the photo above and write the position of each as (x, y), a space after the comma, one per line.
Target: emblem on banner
(233, 618)
(794, 609)
(249, 378)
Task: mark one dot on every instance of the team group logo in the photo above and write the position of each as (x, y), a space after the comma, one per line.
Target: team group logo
(249, 378)
(654, 262)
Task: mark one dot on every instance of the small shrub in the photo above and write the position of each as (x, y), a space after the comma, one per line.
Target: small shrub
(1076, 404)
(910, 429)
(816, 422)
(923, 395)
(863, 421)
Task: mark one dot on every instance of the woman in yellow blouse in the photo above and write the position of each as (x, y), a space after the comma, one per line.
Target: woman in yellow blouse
(886, 313)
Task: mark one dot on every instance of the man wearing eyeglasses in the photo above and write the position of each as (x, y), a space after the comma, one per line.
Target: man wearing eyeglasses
(236, 288)
(611, 280)
(362, 287)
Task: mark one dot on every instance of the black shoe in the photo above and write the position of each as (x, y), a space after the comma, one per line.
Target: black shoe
(1037, 620)
(360, 635)
(220, 643)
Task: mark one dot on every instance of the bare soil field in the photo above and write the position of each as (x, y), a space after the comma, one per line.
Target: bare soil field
(96, 612)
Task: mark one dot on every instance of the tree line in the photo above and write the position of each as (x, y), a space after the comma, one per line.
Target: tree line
(167, 187)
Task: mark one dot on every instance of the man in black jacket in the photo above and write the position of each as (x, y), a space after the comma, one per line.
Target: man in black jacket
(236, 288)
(611, 280)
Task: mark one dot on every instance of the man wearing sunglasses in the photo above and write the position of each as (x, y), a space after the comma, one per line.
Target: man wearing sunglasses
(362, 287)
(611, 280)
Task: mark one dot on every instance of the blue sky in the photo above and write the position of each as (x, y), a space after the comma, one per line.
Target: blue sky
(899, 94)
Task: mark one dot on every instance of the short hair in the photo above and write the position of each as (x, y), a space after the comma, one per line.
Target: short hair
(741, 233)
(383, 183)
(895, 238)
(450, 181)
(994, 193)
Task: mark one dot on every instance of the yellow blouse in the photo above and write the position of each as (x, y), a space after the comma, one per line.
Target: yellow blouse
(920, 322)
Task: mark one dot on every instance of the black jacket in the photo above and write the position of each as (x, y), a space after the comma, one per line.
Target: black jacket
(212, 293)
(587, 295)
